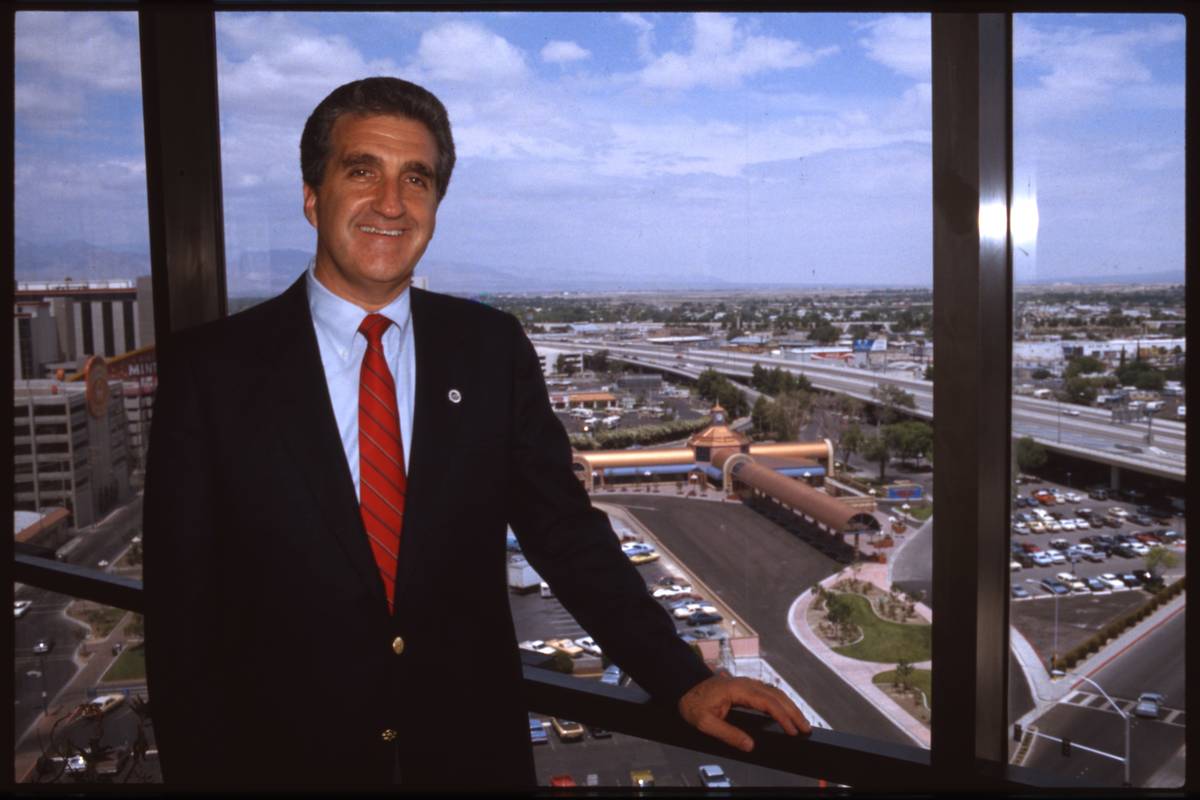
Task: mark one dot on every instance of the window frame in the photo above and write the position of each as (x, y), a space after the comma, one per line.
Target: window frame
(972, 159)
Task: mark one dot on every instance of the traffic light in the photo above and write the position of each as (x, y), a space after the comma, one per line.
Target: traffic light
(1016, 731)
(1066, 747)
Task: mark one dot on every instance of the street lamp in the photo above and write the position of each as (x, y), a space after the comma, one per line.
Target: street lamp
(1058, 673)
(1054, 652)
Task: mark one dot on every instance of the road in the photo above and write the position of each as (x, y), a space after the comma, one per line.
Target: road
(758, 569)
(46, 619)
(1091, 434)
(1156, 663)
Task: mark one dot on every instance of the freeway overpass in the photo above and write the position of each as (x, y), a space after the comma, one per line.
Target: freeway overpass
(1154, 448)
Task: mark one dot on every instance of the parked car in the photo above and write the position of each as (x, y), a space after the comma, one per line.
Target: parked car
(612, 675)
(703, 618)
(1072, 581)
(599, 733)
(713, 777)
(1139, 518)
(567, 730)
(1074, 497)
(562, 780)
(1068, 524)
(1041, 559)
(1130, 580)
(565, 646)
(537, 731)
(1095, 556)
(1096, 585)
(1081, 524)
(102, 704)
(1055, 587)
(1056, 557)
(1098, 493)
(1060, 543)
(1037, 526)
(1019, 592)
(589, 646)
(1112, 581)
(20, 607)
(644, 558)
(1149, 705)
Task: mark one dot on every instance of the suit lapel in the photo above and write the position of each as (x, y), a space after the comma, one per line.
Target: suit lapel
(306, 423)
(436, 423)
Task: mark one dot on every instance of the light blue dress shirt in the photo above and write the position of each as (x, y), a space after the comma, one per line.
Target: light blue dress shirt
(342, 347)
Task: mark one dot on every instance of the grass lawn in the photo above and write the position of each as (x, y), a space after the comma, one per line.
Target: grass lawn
(131, 664)
(882, 640)
(101, 619)
(921, 512)
(920, 678)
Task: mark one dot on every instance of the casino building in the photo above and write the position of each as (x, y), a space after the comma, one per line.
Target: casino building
(787, 476)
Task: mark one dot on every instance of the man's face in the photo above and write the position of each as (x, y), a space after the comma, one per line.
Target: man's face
(376, 207)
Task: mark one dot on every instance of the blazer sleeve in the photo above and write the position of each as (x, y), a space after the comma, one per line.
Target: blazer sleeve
(572, 545)
(183, 649)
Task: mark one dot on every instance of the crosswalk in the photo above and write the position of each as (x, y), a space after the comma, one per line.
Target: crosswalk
(1096, 701)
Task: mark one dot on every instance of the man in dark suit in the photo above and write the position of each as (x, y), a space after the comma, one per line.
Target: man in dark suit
(329, 481)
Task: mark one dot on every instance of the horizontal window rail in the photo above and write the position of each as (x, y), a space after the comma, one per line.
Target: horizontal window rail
(844, 758)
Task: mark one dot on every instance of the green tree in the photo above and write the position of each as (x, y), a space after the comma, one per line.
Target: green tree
(563, 365)
(1083, 365)
(1040, 374)
(892, 398)
(598, 361)
(1031, 455)
(904, 671)
(911, 440)
(760, 415)
(1159, 560)
(875, 448)
(1080, 390)
(929, 372)
(851, 441)
(824, 332)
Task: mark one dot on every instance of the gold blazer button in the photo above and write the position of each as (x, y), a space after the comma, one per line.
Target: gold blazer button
(398, 645)
(388, 735)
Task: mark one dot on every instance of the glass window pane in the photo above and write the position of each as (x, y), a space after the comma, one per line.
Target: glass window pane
(83, 377)
(744, 193)
(1098, 407)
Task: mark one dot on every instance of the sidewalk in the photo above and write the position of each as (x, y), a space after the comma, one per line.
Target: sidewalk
(29, 744)
(856, 673)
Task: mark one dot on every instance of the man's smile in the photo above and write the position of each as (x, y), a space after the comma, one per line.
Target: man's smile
(381, 231)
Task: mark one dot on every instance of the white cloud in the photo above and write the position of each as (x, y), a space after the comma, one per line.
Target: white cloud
(722, 56)
(560, 52)
(93, 50)
(1079, 68)
(469, 52)
(645, 34)
(901, 42)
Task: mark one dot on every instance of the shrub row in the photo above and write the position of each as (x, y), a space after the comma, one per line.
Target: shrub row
(1118, 626)
(642, 435)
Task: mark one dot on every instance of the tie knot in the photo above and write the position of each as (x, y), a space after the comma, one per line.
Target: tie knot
(373, 327)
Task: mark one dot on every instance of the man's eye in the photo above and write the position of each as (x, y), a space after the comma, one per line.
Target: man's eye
(417, 180)
(359, 172)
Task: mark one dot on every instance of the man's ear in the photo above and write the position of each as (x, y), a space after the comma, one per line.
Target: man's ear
(310, 205)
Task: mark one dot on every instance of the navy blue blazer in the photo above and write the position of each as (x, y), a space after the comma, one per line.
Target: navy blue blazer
(271, 655)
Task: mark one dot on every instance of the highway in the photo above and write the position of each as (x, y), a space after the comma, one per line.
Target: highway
(1076, 430)
(1156, 663)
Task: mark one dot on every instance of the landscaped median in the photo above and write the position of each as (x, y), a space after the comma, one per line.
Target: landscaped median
(859, 620)
(1119, 625)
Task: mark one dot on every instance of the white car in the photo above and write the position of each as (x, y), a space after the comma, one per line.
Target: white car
(1041, 559)
(1073, 497)
(674, 590)
(20, 607)
(1117, 511)
(683, 612)
(1139, 547)
(1112, 580)
(713, 777)
(102, 704)
(1037, 526)
(1082, 524)
(589, 645)
(1068, 524)
(1083, 547)
(1053, 525)
(1056, 557)
(1072, 581)
(1020, 527)
(537, 646)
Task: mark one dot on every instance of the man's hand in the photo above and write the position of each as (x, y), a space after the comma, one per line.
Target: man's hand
(707, 703)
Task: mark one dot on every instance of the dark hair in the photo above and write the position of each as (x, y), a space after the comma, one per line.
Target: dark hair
(371, 96)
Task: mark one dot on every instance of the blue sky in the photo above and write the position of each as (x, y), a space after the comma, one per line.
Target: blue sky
(681, 148)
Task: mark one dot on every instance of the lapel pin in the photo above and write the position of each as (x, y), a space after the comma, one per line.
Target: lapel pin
(455, 396)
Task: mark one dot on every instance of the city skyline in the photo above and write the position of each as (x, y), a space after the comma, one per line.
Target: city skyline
(627, 150)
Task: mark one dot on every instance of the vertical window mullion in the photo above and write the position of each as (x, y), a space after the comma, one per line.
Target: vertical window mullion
(183, 164)
(972, 155)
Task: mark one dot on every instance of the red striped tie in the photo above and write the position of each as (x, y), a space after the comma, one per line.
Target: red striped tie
(382, 482)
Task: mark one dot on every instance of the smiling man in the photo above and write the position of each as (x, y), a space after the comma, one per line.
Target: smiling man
(316, 480)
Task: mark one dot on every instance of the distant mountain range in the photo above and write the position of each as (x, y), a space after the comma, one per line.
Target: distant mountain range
(265, 272)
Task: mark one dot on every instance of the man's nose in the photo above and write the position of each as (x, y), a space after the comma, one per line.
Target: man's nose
(389, 198)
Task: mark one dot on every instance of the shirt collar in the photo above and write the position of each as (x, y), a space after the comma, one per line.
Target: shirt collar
(339, 319)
